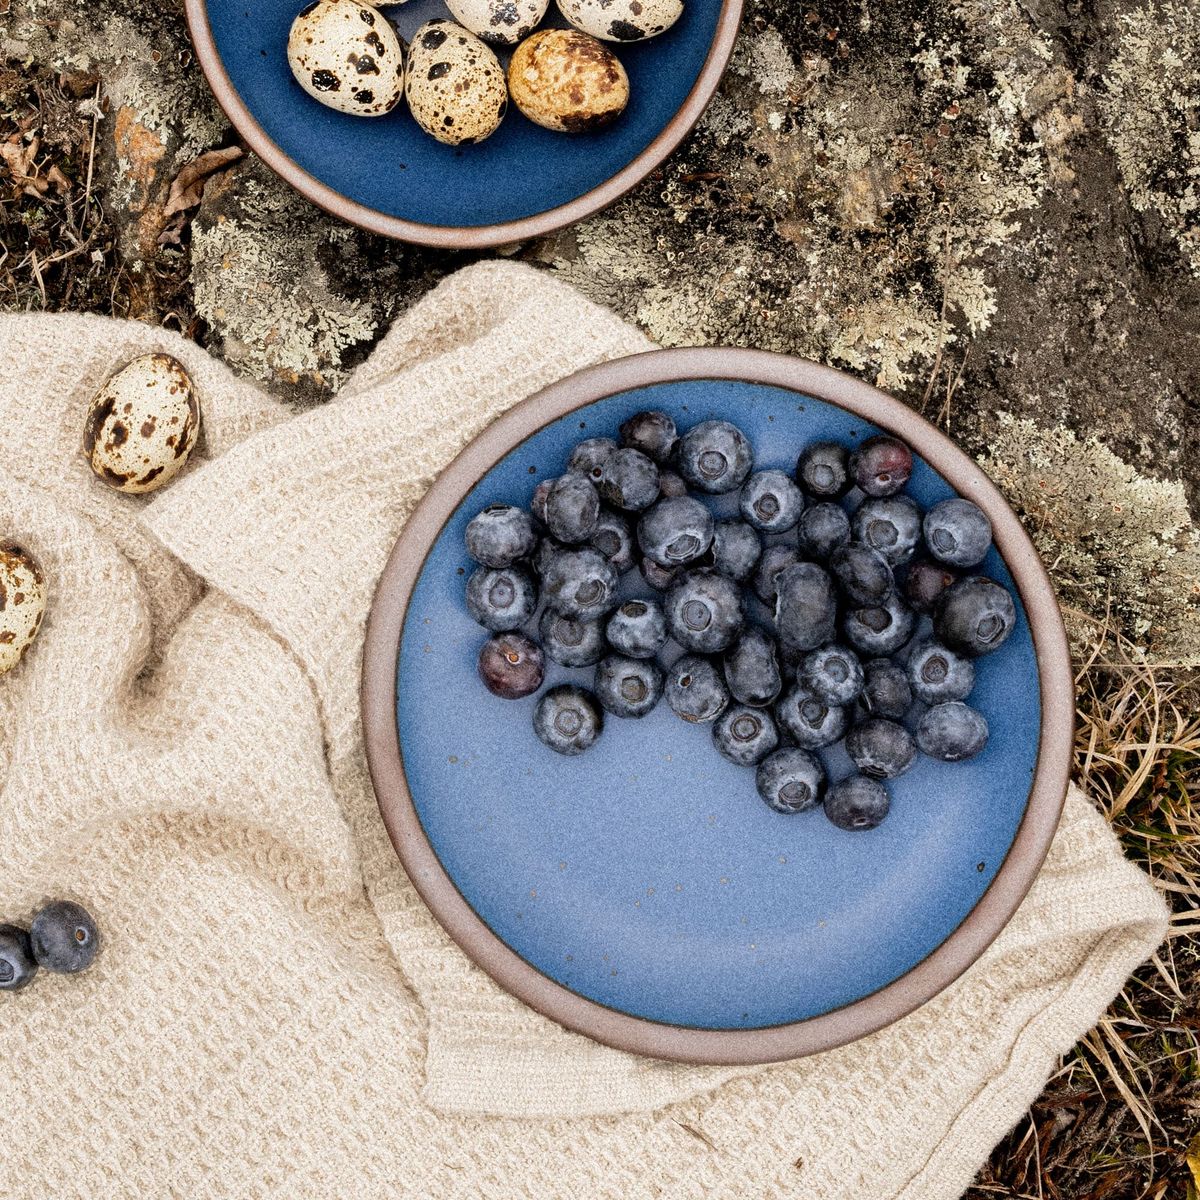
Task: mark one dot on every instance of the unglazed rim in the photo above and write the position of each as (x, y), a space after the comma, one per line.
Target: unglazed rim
(622, 1030)
(463, 237)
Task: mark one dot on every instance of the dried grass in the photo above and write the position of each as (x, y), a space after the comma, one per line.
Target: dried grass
(1116, 1119)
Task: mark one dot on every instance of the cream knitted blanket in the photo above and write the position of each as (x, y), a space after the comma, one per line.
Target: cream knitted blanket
(274, 1012)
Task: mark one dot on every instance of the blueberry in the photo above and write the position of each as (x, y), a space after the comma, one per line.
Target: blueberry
(500, 535)
(695, 690)
(652, 433)
(572, 641)
(925, 583)
(64, 937)
(937, 674)
(589, 457)
(671, 485)
(572, 508)
(857, 803)
(580, 583)
(659, 578)
(637, 629)
(881, 466)
(675, 532)
(886, 691)
(752, 669)
(958, 532)
(544, 555)
(771, 502)
(952, 731)
(880, 748)
(511, 666)
(745, 735)
(822, 529)
(17, 964)
(628, 687)
(715, 457)
(704, 611)
(862, 573)
(568, 719)
(808, 720)
(833, 673)
(805, 608)
(774, 561)
(629, 480)
(501, 598)
(537, 505)
(975, 616)
(736, 549)
(791, 780)
(889, 524)
(614, 539)
(823, 470)
(880, 629)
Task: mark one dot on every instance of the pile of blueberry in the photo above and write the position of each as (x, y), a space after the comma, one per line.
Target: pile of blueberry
(62, 938)
(832, 608)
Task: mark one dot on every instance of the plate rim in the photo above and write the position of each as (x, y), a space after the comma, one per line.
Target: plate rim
(464, 237)
(623, 1031)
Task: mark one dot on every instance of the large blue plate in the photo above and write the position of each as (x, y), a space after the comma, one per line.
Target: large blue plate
(385, 171)
(642, 893)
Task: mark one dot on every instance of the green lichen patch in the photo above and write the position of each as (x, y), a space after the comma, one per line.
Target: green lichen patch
(1116, 542)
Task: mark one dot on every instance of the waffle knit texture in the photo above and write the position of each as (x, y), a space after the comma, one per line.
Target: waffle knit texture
(274, 1011)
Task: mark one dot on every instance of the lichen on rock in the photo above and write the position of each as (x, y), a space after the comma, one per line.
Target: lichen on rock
(1116, 542)
(1150, 106)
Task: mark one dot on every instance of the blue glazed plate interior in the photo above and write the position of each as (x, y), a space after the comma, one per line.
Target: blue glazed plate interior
(647, 875)
(388, 164)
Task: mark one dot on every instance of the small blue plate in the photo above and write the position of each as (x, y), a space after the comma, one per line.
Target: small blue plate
(646, 876)
(387, 175)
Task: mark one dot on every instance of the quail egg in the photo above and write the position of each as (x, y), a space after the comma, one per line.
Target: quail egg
(22, 603)
(622, 20)
(347, 56)
(567, 81)
(456, 86)
(142, 424)
(505, 22)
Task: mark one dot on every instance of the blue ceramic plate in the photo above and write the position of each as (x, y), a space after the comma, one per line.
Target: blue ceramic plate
(647, 877)
(387, 175)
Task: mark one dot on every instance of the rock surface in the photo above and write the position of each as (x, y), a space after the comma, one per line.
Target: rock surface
(989, 207)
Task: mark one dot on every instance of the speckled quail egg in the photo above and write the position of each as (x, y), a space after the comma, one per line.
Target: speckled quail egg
(347, 56)
(505, 22)
(566, 80)
(456, 86)
(622, 20)
(142, 424)
(22, 603)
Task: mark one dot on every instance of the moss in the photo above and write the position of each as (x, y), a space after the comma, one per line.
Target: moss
(1115, 541)
(1150, 105)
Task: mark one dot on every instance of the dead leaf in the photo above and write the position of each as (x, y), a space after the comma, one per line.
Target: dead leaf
(21, 162)
(58, 180)
(188, 186)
